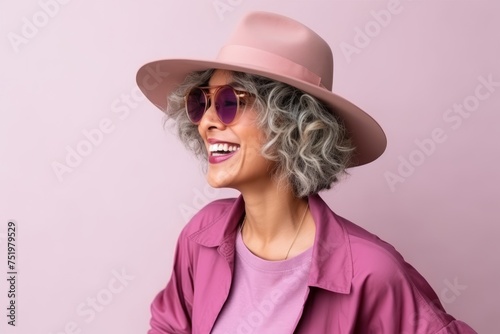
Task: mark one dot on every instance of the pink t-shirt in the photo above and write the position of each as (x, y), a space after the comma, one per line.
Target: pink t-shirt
(266, 296)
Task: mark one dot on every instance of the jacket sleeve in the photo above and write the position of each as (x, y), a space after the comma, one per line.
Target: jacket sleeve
(397, 299)
(172, 308)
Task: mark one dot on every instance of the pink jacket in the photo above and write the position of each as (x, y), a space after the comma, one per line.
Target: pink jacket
(357, 282)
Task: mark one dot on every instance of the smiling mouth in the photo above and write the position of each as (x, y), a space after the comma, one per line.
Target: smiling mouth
(221, 149)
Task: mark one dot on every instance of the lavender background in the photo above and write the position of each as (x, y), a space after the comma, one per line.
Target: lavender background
(97, 231)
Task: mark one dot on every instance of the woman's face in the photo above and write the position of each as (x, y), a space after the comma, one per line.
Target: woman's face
(241, 166)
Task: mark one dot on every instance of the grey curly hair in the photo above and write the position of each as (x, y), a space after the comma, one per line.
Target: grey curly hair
(308, 142)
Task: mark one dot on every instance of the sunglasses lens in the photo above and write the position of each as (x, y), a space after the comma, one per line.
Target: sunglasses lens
(195, 105)
(226, 104)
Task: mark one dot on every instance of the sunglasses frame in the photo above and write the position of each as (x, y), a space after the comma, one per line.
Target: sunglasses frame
(210, 97)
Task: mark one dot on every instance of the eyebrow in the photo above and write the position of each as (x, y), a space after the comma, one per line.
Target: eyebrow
(233, 84)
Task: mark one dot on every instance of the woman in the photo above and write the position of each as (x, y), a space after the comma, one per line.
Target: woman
(277, 259)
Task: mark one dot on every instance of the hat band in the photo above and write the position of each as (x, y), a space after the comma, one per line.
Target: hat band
(270, 62)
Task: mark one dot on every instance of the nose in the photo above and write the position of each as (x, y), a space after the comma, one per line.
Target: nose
(210, 120)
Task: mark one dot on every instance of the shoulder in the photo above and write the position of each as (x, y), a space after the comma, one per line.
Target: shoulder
(377, 262)
(380, 271)
(391, 292)
(361, 252)
(384, 290)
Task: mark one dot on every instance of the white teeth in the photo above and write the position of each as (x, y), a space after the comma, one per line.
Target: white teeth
(223, 148)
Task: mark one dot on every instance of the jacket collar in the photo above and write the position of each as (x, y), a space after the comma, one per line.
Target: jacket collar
(331, 267)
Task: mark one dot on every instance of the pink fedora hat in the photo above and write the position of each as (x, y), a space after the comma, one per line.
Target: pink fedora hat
(281, 49)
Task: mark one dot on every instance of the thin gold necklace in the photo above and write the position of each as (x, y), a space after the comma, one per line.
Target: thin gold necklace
(296, 233)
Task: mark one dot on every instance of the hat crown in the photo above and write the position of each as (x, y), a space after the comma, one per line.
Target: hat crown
(282, 37)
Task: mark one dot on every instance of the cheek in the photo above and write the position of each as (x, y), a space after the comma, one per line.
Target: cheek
(254, 146)
(252, 132)
(254, 156)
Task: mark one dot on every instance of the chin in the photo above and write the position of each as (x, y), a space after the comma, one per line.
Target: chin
(218, 181)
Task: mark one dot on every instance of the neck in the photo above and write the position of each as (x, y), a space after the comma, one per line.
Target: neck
(273, 217)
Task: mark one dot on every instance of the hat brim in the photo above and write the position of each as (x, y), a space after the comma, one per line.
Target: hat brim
(158, 79)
